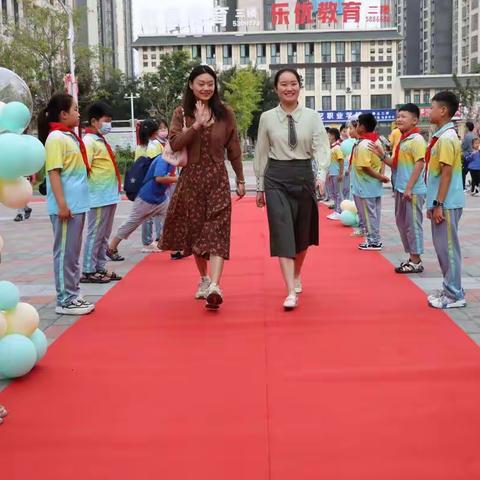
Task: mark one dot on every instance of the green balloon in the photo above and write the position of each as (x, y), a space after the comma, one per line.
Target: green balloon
(14, 117)
(348, 218)
(17, 355)
(41, 343)
(34, 155)
(12, 156)
(9, 295)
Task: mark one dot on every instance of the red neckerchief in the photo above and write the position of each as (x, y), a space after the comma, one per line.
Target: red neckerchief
(336, 144)
(371, 136)
(397, 148)
(112, 155)
(63, 128)
(428, 153)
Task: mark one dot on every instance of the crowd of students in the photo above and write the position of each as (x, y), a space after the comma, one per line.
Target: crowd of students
(421, 174)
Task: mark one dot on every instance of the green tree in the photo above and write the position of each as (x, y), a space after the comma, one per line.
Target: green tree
(243, 94)
(163, 90)
(269, 100)
(468, 93)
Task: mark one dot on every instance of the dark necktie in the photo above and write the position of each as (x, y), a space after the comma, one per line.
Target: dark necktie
(292, 134)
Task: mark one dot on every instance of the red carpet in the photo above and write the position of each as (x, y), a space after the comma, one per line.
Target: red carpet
(363, 381)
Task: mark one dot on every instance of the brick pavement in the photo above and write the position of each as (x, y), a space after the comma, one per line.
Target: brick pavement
(27, 260)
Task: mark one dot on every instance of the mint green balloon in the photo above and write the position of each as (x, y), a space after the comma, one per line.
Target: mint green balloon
(13, 157)
(9, 295)
(17, 355)
(14, 117)
(349, 219)
(40, 341)
(34, 155)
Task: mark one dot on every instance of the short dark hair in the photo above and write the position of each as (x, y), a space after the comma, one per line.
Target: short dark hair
(147, 127)
(335, 132)
(343, 126)
(449, 99)
(470, 126)
(410, 107)
(286, 70)
(58, 103)
(368, 120)
(98, 110)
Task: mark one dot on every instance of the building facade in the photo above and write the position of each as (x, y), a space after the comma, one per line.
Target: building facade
(342, 70)
(108, 24)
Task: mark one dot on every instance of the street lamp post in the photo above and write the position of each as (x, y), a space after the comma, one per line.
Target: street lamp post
(71, 39)
(132, 97)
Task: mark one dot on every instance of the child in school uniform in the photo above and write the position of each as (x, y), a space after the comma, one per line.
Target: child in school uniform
(67, 197)
(335, 173)
(367, 179)
(151, 140)
(347, 146)
(445, 199)
(105, 185)
(152, 200)
(407, 164)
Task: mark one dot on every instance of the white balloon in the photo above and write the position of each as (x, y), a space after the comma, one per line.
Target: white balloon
(16, 193)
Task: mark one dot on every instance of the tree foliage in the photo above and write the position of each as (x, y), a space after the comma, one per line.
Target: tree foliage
(243, 94)
(468, 93)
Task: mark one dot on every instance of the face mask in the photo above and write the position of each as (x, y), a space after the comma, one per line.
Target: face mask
(162, 134)
(105, 128)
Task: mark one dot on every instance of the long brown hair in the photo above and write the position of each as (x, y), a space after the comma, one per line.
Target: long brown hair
(215, 103)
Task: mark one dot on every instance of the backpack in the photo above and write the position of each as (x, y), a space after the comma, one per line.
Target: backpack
(135, 176)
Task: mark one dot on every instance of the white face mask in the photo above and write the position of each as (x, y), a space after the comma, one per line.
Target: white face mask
(105, 128)
(162, 134)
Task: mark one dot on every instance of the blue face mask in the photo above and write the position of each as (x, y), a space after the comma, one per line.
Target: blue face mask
(105, 128)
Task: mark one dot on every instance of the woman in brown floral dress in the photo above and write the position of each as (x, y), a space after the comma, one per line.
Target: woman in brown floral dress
(198, 219)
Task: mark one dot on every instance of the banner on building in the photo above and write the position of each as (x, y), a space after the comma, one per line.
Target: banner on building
(342, 116)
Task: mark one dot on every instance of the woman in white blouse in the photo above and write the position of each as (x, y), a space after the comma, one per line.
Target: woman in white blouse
(290, 139)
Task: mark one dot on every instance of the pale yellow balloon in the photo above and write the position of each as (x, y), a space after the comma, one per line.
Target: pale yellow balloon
(23, 319)
(3, 325)
(351, 207)
(16, 193)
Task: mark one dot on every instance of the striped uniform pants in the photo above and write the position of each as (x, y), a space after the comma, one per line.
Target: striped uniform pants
(409, 219)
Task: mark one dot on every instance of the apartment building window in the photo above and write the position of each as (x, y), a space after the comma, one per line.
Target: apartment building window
(381, 101)
(275, 53)
(475, 22)
(356, 51)
(196, 51)
(309, 52)
(145, 64)
(309, 79)
(340, 52)
(211, 54)
(326, 78)
(326, 103)
(426, 96)
(326, 52)
(416, 96)
(340, 82)
(227, 54)
(153, 49)
(244, 54)
(154, 56)
(4, 12)
(474, 44)
(292, 52)
(145, 56)
(356, 77)
(16, 14)
(154, 64)
(310, 102)
(356, 102)
(341, 103)
(261, 53)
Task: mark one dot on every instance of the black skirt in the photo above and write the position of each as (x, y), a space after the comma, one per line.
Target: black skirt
(291, 207)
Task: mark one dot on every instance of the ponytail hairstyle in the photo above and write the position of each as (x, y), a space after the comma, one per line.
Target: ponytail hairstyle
(60, 102)
(147, 127)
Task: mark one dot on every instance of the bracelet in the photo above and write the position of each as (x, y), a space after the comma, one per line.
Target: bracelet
(241, 182)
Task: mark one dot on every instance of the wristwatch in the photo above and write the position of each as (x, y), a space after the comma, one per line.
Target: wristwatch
(384, 156)
(436, 203)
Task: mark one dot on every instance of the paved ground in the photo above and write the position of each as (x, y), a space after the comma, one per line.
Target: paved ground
(26, 260)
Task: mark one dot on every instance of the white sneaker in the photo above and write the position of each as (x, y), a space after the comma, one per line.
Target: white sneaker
(202, 288)
(290, 302)
(298, 286)
(357, 232)
(436, 294)
(152, 248)
(334, 216)
(444, 302)
(475, 192)
(214, 297)
(79, 306)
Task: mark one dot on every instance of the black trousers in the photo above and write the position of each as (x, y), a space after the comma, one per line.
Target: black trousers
(475, 174)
